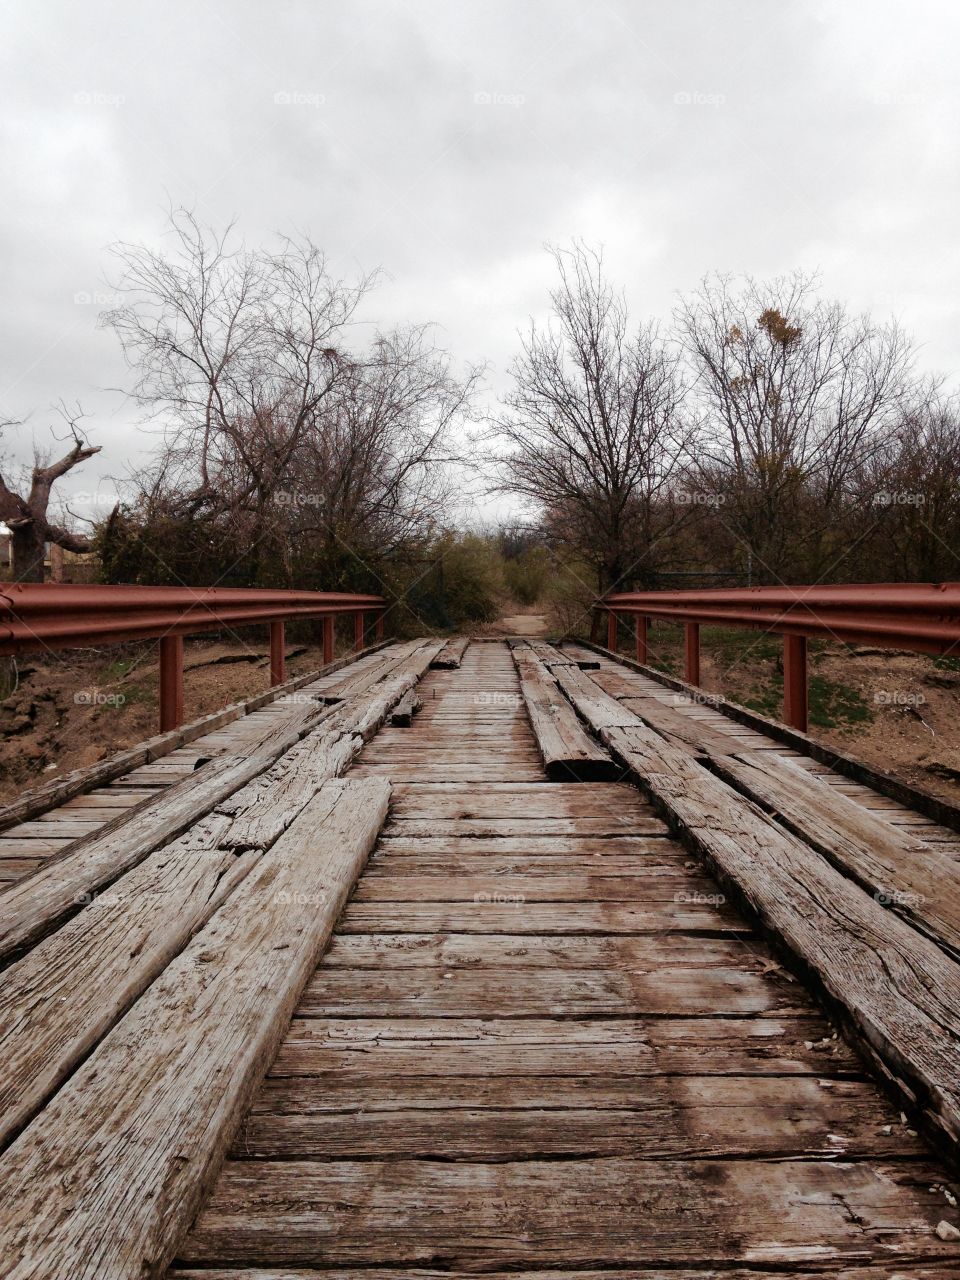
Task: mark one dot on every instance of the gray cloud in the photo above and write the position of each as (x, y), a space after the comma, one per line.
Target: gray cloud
(449, 141)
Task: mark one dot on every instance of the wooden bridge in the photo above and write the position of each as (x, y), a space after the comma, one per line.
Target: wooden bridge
(504, 959)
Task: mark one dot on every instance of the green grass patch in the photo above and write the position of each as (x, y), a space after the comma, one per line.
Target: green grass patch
(832, 705)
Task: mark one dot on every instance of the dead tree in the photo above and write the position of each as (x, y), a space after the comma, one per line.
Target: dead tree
(27, 517)
(593, 429)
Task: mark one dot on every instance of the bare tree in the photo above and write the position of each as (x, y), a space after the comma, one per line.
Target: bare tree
(379, 453)
(915, 495)
(27, 517)
(592, 428)
(284, 444)
(798, 395)
(235, 349)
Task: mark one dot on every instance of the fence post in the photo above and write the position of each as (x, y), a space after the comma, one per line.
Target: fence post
(278, 666)
(171, 682)
(795, 682)
(612, 631)
(691, 652)
(358, 630)
(642, 620)
(328, 624)
(379, 630)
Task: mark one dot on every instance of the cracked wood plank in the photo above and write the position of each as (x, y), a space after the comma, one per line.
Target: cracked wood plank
(138, 1133)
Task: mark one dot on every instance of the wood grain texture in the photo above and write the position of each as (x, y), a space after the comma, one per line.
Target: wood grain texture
(915, 879)
(608, 1212)
(567, 751)
(896, 987)
(143, 1124)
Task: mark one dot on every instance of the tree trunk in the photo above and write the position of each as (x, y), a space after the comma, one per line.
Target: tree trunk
(27, 548)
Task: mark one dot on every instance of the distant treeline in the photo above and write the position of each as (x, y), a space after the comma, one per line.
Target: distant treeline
(764, 434)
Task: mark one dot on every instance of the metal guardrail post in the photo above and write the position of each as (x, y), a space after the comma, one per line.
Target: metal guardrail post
(278, 665)
(358, 630)
(795, 695)
(171, 683)
(691, 652)
(328, 648)
(642, 621)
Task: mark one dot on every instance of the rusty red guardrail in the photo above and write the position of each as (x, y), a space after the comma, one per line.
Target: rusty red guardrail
(921, 617)
(35, 616)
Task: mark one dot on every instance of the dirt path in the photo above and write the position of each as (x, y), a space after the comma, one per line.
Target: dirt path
(521, 624)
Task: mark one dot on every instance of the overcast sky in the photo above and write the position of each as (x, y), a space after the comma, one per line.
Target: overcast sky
(448, 141)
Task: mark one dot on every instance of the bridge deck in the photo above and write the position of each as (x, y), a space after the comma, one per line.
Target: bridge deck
(542, 1041)
(539, 1040)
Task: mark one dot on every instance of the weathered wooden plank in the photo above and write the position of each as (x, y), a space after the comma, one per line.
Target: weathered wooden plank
(59, 1000)
(142, 1125)
(683, 729)
(430, 866)
(405, 710)
(591, 1211)
(898, 989)
(899, 870)
(590, 850)
(597, 708)
(503, 912)
(35, 847)
(754, 1046)
(567, 751)
(542, 887)
(506, 992)
(30, 909)
(506, 801)
(105, 957)
(267, 805)
(68, 785)
(514, 1118)
(611, 825)
(35, 906)
(445, 952)
(451, 654)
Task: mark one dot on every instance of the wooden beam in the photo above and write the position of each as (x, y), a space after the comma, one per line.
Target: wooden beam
(151, 1113)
